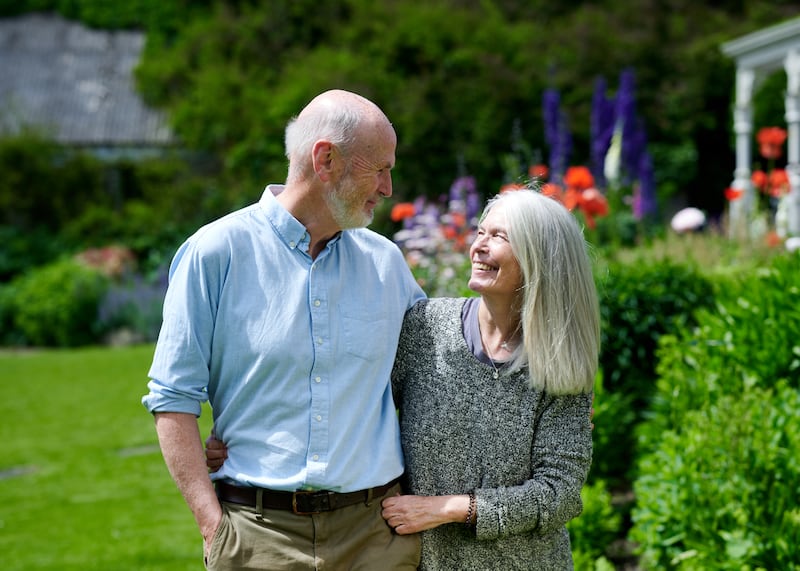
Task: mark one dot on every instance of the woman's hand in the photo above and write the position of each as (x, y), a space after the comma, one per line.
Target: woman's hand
(412, 514)
(216, 453)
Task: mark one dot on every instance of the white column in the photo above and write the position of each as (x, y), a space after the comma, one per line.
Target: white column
(740, 210)
(792, 66)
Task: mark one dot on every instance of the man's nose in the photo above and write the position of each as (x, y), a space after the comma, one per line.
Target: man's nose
(385, 184)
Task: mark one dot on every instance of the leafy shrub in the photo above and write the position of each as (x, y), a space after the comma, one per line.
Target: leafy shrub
(719, 473)
(594, 529)
(720, 491)
(751, 337)
(45, 185)
(639, 302)
(7, 333)
(614, 418)
(56, 201)
(56, 305)
(23, 250)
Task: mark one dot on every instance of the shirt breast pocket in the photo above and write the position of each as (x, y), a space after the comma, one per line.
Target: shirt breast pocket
(367, 335)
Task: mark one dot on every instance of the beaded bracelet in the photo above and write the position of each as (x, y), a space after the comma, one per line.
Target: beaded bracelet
(470, 510)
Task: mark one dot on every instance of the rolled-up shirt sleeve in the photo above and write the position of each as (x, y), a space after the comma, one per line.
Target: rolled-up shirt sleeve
(179, 374)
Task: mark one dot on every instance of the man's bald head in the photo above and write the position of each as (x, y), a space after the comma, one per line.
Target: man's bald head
(338, 116)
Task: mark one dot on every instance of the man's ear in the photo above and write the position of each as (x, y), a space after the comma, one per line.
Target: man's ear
(323, 154)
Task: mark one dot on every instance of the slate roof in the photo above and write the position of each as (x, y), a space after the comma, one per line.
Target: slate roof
(74, 82)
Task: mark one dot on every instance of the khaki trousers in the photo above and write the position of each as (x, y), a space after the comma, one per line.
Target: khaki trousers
(351, 538)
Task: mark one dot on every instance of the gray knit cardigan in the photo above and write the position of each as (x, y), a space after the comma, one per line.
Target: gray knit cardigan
(525, 453)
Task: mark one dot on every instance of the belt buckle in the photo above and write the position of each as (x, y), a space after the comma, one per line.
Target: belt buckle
(311, 495)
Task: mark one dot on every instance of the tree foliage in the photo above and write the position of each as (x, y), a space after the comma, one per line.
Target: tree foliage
(457, 77)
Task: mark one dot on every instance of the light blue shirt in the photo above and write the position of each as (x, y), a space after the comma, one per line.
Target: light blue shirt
(293, 354)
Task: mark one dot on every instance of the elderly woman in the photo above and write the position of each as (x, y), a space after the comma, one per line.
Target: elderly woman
(494, 395)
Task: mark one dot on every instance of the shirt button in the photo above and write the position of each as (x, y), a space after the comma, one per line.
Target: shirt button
(315, 457)
(319, 417)
(292, 245)
(318, 379)
(316, 303)
(319, 340)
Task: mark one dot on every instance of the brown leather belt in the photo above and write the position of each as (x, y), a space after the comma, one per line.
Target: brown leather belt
(300, 502)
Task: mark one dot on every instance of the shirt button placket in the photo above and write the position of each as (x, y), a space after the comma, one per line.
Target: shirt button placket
(320, 398)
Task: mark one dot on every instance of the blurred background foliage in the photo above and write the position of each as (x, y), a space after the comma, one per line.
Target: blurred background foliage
(462, 81)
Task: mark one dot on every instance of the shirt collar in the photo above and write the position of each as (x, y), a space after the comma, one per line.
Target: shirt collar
(288, 228)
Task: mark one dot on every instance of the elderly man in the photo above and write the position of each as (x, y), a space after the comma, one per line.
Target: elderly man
(285, 315)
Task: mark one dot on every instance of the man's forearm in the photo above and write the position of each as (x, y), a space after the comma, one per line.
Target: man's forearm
(182, 448)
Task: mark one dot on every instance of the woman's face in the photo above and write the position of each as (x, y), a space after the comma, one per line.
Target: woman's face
(495, 270)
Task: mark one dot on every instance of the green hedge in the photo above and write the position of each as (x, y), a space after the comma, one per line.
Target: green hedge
(639, 302)
(53, 306)
(720, 491)
(750, 337)
(719, 472)
(597, 526)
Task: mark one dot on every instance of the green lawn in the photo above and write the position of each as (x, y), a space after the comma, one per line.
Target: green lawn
(82, 482)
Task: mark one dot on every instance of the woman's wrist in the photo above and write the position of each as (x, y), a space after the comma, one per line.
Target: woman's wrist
(472, 511)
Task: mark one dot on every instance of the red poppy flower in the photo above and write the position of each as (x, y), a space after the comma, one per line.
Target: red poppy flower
(539, 172)
(510, 187)
(552, 190)
(571, 198)
(759, 179)
(773, 240)
(778, 183)
(402, 210)
(458, 219)
(770, 142)
(733, 193)
(592, 200)
(579, 178)
(592, 203)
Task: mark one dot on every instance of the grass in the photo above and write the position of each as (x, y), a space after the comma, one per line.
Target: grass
(709, 251)
(82, 482)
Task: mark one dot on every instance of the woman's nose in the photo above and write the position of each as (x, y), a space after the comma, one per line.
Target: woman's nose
(479, 243)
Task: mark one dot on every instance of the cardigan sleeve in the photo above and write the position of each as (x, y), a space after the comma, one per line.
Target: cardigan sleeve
(405, 349)
(561, 456)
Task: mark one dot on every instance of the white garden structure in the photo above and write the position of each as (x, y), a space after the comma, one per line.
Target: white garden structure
(757, 55)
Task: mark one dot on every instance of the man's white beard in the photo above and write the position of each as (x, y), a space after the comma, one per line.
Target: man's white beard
(344, 211)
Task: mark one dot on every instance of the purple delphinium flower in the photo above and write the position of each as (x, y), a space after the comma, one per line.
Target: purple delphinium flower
(460, 191)
(411, 221)
(625, 111)
(565, 144)
(557, 135)
(461, 186)
(602, 129)
(550, 113)
(644, 198)
(473, 202)
(464, 198)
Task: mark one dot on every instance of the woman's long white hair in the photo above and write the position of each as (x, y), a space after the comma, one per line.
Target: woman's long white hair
(560, 315)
